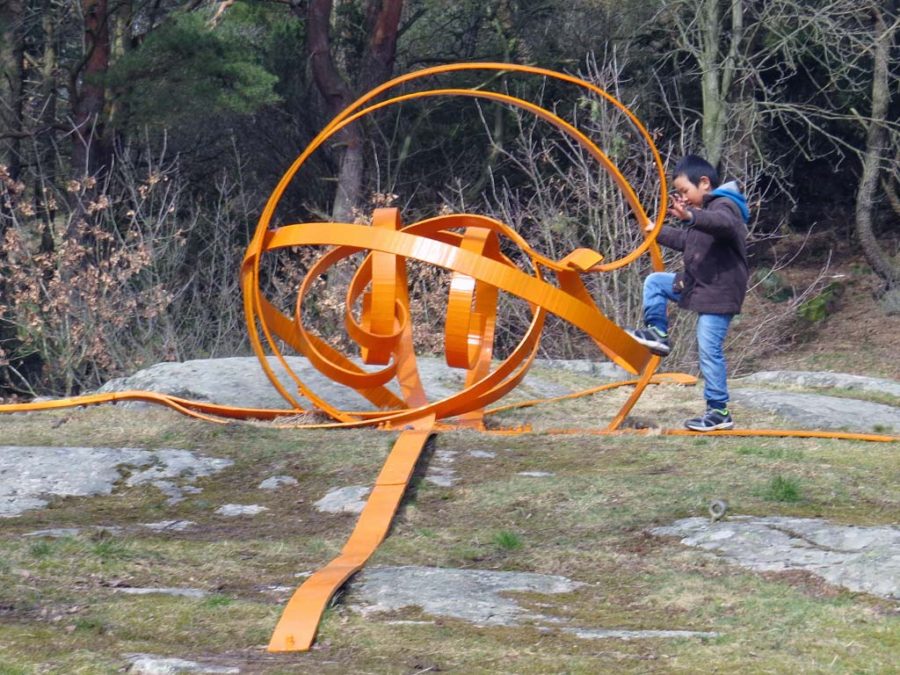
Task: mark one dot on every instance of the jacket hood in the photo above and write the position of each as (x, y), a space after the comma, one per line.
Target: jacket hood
(731, 191)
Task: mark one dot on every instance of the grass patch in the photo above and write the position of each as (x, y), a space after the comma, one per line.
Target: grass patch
(781, 489)
(507, 541)
(770, 452)
(41, 549)
(91, 625)
(214, 601)
(110, 549)
(861, 395)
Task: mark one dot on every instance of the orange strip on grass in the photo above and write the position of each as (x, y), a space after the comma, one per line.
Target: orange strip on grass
(297, 627)
(776, 433)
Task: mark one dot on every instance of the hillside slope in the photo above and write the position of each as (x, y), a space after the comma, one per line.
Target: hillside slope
(854, 335)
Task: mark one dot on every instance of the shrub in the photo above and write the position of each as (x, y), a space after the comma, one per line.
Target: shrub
(818, 307)
(772, 285)
(97, 279)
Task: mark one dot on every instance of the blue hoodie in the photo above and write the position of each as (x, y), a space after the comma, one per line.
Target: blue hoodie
(732, 192)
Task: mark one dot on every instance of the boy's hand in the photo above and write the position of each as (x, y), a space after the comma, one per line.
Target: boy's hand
(678, 208)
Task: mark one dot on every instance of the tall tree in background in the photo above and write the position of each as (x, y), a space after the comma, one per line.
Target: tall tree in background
(55, 60)
(12, 65)
(884, 29)
(717, 47)
(87, 91)
(380, 26)
(829, 84)
(710, 52)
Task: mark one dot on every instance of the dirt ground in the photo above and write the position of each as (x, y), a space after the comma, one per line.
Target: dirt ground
(856, 335)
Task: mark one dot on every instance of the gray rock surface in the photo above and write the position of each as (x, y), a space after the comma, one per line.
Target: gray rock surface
(816, 411)
(858, 558)
(29, 475)
(235, 381)
(350, 499)
(240, 381)
(478, 596)
(604, 370)
(278, 589)
(170, 525)
(482, 454)
(440, 469)
(601, 634)
(176, 592)
(148, 664)
(55, 533)
(821, 380)
(233, 510)
(63, 532)
(276, 482)
(482, 597)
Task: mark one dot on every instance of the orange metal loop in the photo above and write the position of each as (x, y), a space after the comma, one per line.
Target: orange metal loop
(352, 109)
(388, 282)
(472, 305)
(475, 282)
(412, 243)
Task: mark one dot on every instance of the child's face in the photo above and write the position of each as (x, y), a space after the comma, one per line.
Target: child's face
(692, 193)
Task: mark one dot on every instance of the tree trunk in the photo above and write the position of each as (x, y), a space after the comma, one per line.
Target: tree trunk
(337, 95)
(121, 43)
(89, 153)
(45, 144)
(713, 106)
(383, 22)
(14, 39)
(871, 162)
(382, 26)
(350, 176)
(717, 71)
(318, 44)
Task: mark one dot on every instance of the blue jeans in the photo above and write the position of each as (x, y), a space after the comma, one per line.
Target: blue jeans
(711, 332)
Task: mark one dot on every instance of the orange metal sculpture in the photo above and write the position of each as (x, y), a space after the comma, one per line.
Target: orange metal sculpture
(466, 244)
(377, 318)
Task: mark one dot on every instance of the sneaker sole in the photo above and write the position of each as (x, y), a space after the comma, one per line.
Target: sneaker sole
(717, 427)
(657, 348)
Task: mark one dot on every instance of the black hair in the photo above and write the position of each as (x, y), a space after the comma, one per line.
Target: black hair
(694, 167)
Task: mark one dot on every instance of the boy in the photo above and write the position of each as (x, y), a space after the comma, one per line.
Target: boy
(713, 282)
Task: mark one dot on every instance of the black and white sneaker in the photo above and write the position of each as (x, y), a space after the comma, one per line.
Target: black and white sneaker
(653, 339)
(711, 421)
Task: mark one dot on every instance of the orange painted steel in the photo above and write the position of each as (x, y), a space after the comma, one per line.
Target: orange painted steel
(381, 327)
(297, 627)
(378, 319)
(221, 414)
(744, 433)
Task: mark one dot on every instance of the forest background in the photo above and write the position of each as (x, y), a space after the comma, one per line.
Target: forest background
(139, 140)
